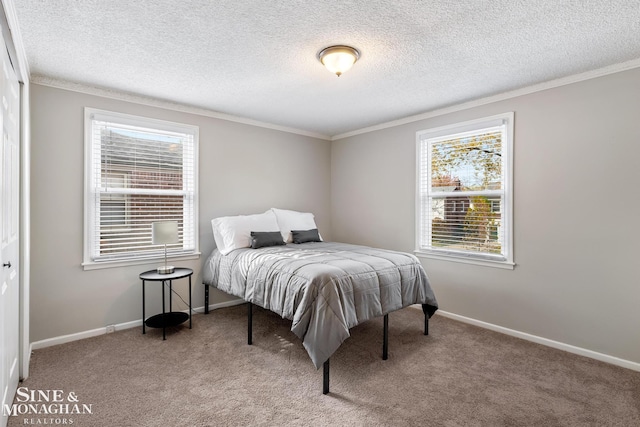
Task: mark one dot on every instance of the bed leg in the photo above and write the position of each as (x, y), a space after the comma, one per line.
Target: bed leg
(385, 338)
(426, 319)
(250, 324)
(206, 299)
(325, 377)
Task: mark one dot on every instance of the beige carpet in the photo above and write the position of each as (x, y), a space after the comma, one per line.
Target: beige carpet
(459, 375)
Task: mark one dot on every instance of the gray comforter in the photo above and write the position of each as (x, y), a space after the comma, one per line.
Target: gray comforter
(323, 288)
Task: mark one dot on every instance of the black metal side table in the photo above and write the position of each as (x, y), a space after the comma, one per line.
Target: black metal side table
(170, 318)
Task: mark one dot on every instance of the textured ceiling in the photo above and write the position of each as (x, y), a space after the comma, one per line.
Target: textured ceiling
(257, 59)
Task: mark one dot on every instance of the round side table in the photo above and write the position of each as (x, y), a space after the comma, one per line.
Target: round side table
(170, 318)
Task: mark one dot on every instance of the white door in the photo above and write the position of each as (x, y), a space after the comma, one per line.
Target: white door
(9, 226)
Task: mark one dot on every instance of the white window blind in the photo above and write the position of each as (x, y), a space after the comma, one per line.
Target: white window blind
(464, 190)
(138, 171)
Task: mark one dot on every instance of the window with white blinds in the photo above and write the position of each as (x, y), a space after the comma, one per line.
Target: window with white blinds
(137, 171)
(464, 191)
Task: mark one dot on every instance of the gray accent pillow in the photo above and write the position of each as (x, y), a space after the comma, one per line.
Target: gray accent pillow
(304, 236)
(260, 239)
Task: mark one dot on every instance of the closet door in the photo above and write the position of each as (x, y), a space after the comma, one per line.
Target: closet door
(9, 228)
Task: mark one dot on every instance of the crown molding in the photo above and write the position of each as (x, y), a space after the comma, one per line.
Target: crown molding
(154, 102)
(563, 81)
(167, 105)
(16, 39)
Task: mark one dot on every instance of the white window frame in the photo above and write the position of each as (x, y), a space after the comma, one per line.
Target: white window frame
(423, 249)
(91, 217)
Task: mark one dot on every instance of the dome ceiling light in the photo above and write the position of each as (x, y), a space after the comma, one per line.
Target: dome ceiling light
(338, 59)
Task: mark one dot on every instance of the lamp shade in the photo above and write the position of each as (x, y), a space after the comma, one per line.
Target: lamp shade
(164, 232)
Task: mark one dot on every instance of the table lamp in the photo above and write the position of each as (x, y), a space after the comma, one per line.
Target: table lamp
(164, 233)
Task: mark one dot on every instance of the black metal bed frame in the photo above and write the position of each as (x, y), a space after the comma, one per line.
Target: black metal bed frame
(325, 366)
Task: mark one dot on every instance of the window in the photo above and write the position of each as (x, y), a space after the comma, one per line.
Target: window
(137, 171)
(464, 192)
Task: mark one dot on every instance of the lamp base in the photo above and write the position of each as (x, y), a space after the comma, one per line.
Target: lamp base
(166, 269)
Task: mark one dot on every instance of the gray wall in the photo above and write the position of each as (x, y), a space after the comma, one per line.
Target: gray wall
(576, 212)
(243, 169)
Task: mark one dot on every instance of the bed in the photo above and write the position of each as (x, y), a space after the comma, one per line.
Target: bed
(324, 288)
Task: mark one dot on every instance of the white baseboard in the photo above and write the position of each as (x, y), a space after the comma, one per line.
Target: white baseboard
(523, 335)
(36, 345)
(220, 305)
(544, 341)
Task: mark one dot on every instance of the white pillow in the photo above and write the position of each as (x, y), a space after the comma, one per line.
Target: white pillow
(293, 220)
(233, 232)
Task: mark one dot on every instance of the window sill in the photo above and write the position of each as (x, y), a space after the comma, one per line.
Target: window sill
(92, 265)
(443, 256)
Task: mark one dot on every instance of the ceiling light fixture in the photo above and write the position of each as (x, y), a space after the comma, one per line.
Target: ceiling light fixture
(338, 59)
